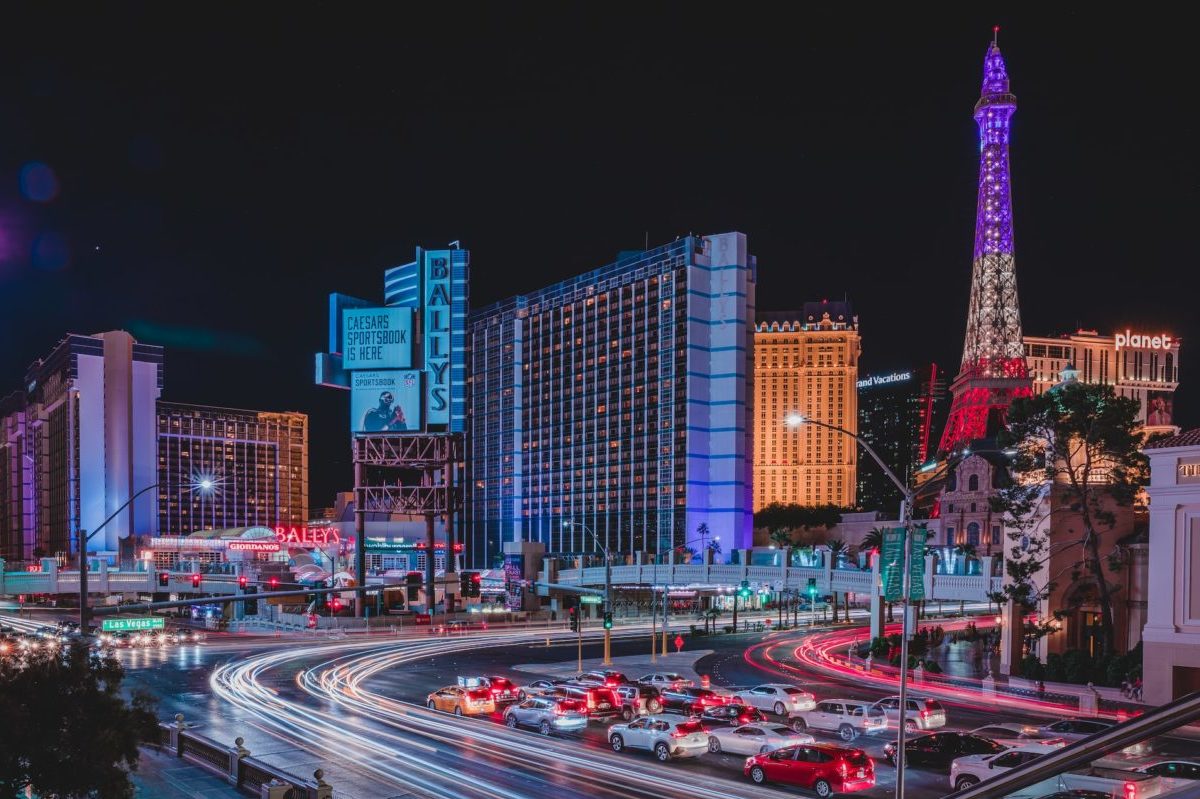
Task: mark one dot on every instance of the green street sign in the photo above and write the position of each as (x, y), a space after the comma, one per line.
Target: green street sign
(891, 564)
(916, 567)
(590, 599)
(133, 625)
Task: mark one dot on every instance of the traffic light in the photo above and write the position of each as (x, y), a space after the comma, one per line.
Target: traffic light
(812, 588)
(243, 581)
(608, 619)
(744, 591)
(164, 579)
(195, 581)
(573, 619)
(337, 605)
(273, 583)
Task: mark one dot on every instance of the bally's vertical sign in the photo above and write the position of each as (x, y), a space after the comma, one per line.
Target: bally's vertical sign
(436, 330)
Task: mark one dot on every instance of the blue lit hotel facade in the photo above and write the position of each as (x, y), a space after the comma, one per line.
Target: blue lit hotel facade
(617, 402)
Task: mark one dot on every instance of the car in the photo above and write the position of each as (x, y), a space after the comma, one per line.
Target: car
(922, 713)
(462, 701)
(1173, 769)
(538, 688)
(731, 716)
(547, 715)
(690, 700)
(973, 769)
(940, 749)
(599, 701)
(638, 700)
(502, 688)
(753, 739)
(609, 678)
(665, 679)
(781, 699)
(849, 718)
(667, 736)
(1011, 734)
(823, 768)
(1071, 730)
(1077, 794)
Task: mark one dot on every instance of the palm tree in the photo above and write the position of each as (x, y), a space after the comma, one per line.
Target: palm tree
(781, 537)
(837, 551)
(873, 540)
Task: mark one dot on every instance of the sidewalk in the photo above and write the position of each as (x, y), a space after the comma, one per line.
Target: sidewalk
(162, 776)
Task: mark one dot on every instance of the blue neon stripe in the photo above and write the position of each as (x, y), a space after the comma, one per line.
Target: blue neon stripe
(712, 322)
(695, 429)
(716, 482)
(713, 402)
(734, 348)
(719, 376)
(717, 296)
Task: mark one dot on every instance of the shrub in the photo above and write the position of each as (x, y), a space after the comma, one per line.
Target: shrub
(728, 628)
(932, 667)
(1077, 666)
(1032, 668)
(1055, 668)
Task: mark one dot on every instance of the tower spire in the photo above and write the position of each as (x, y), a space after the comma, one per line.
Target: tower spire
(993, 370)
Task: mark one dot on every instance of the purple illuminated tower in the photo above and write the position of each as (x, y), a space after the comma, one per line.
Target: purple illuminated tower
(993, 370)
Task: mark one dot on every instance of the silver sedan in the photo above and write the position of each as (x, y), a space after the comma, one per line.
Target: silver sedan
(754, 739)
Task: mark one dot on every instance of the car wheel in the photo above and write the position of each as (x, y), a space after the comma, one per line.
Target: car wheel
(823, 788)
(965, 781)
(799, 725)
(617, 743)
(544, 728)
(780, 710)
(511, 721)
(847, 733)
(627, 714)
(714, 744)
(431, 705)
(654, 707)
(758, 775)
(910, 725)
(662, 752)
(458, 710)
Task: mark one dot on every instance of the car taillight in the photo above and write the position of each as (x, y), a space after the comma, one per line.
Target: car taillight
(1130, 790)
(591, 702)
(924, 714)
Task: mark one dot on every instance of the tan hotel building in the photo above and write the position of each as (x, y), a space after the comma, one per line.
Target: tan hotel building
(1142, 365)
(806, 362)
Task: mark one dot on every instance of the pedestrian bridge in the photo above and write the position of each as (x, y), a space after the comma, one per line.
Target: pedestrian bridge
(102, 580)
(727, 577)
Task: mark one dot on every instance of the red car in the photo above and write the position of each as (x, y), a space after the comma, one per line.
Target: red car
(824, 768)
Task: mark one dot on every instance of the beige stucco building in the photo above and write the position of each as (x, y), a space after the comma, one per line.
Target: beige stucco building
(806, 365)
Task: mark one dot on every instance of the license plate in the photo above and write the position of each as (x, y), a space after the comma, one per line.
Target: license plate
(604, 705)
(862, 773)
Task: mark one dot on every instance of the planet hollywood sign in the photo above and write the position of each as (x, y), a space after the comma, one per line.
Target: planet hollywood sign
(307, 536)
(1143, 341)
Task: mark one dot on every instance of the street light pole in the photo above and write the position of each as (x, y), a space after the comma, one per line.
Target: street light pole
(607, 586)
(795, 420)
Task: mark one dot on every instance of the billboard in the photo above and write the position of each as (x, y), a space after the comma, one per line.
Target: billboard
(1160, 408)
(377, 338)
(385, 400)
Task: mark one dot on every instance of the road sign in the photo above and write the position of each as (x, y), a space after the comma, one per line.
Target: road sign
(590, 599)
(891, 563)
(916, 566)
(133, 625)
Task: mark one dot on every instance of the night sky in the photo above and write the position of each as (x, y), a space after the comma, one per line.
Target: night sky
(204, 181)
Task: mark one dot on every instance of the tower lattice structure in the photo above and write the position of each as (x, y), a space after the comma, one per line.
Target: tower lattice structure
(993, 371)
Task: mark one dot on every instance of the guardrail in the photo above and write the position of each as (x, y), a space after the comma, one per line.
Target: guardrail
(234, 763)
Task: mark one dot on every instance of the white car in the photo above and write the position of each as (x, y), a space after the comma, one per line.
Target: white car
(1010, 734)
(538, 688)
(754, 739)
(1174, 773)
(778, 698)
(974, 769)
(921, 714)
(668, 736)
(665, 679)
(849, 718)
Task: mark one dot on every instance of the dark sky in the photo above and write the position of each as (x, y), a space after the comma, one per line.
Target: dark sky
(212, 174)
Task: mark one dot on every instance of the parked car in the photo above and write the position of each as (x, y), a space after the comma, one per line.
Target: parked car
(665, 679)
(599, 701)
(462, 701)
(940, 749)
(822, 768)
(753, 739)
(539, 688)
(730, 715)
(638, 700)
(778, 698)
(1010, 734)
(690, 700)
(847, 717)
(922, 713)
(502, 688)
(666, 736)
(973, 769)
(609, 678)
(547, 715)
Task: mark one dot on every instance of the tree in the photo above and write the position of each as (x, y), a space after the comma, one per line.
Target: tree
(837, 550)
(68, 731)
(781, 537)
(873, 540)
(1077, 456)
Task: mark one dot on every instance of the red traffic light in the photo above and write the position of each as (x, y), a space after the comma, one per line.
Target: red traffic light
(242, 581)
(274, 583)
(477, 577)
(337, 604)
(195, 581)
(164, 578)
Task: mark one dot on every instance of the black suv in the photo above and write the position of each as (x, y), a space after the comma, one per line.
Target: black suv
(731, 715)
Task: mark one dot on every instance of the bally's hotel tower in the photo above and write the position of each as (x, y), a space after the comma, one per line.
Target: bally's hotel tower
(618, 403)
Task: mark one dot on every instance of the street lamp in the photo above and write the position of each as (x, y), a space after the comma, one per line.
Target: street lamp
(204, 485)
(795, 420)
(607, 585)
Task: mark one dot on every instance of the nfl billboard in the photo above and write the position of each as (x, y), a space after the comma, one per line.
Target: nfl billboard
(385, 401)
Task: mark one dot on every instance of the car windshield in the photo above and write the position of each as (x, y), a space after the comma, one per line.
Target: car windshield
(687, 727)
(672, 677)
(782, 731)
(603, 695)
